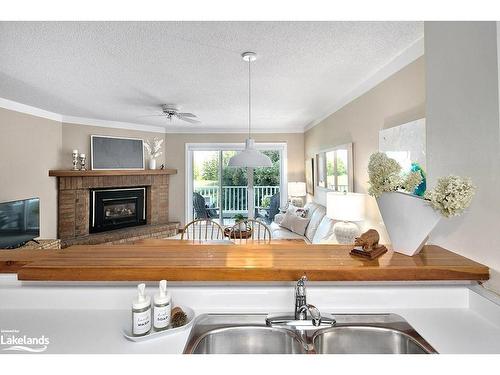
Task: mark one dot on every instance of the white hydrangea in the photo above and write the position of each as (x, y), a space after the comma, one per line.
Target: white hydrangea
(412, 180)
(452, 195)
(385, 176)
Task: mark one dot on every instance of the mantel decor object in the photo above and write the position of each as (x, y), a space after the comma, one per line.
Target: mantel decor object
(366, 246)
(74, 154)
(83, 160)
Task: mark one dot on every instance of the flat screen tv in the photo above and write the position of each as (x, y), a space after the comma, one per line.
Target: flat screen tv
(19, 222)
(108, 153)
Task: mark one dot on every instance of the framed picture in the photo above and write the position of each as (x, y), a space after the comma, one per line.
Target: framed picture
(113, 153)
(310, 176)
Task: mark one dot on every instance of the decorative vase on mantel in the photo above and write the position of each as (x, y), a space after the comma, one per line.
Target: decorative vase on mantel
(409, 219)
(152, 163)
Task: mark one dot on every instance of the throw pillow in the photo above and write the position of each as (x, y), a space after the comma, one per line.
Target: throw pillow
(295, 223)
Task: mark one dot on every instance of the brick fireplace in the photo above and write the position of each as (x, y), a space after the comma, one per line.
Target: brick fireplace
(121, 219)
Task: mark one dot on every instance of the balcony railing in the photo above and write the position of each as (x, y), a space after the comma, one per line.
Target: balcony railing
(234, 197)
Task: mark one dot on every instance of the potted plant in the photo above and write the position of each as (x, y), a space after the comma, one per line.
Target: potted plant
(409, 218)
(153, 148)
(240, 220)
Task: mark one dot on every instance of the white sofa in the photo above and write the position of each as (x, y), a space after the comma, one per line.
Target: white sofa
(318, 230)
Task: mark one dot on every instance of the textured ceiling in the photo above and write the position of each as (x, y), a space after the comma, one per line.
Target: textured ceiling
(122, 71)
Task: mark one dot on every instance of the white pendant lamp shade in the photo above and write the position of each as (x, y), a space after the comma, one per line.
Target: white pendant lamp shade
(250, 157)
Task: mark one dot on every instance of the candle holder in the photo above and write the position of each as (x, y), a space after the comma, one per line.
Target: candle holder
(75, 160)
(83, 159)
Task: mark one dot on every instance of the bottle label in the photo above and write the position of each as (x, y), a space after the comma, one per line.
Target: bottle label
(141, 322)
(161, 316)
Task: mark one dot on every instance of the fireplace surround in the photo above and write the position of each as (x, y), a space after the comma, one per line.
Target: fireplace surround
(76, 190)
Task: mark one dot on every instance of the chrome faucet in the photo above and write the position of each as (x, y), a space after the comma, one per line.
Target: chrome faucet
(299, 318)
(300, 298)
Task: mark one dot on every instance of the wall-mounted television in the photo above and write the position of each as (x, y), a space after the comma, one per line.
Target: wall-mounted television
(109, 153)
(19, 222)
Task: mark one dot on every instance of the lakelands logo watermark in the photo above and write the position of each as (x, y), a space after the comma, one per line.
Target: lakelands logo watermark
(13, 340)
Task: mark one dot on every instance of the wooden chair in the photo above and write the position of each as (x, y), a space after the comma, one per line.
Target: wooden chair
(257, 231)
(202, 230)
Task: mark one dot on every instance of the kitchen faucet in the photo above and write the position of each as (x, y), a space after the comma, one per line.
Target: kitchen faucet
(299, 318)
(301, 305)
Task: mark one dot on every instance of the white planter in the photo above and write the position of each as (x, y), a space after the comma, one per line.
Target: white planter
(408, 219)
(152, 163)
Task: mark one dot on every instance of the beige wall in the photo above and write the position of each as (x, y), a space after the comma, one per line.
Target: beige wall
(29, 147)
(75, 136)
(398, 99)
(463, 133)
(176, 151)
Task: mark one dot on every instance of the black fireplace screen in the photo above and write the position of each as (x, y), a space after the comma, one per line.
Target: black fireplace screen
(117, 208)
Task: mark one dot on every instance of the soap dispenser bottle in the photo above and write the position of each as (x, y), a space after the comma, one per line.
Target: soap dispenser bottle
(162, 308)
(141, 312)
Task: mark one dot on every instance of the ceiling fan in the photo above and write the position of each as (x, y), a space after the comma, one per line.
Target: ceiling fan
(171, 112)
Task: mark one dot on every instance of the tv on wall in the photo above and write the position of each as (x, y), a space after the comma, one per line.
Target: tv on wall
(19, 222)
(111, 153)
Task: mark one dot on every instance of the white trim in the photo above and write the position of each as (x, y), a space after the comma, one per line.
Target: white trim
(29, 110)
(188, 129)
(403, 59)
(111, 124)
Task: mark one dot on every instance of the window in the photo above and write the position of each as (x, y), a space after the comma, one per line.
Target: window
(334, 168)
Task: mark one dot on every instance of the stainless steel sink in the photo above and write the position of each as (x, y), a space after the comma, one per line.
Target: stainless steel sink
(365, 340)
(352, 334)
(240, 334)
(249, 340)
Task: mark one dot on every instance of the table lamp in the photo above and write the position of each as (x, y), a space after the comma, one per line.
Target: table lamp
(297, 190)
(347, 208)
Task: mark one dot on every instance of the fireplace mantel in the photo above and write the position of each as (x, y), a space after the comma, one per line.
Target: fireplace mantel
(74, 198)
(114, 172)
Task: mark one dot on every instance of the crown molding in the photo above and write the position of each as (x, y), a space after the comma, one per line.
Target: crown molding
(406, 57)
(111, 124)
(29, 110)
(75, 120)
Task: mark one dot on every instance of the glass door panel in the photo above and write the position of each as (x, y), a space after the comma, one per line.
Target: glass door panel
(234, 196)
(267, 183)
(206, 185)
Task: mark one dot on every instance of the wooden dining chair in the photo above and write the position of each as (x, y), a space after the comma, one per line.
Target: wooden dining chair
(257, 232)
(202, 230)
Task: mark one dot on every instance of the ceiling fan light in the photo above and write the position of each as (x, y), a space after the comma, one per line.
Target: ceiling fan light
(250, 157)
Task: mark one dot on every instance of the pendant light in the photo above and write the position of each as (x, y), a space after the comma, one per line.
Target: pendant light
(250, 157)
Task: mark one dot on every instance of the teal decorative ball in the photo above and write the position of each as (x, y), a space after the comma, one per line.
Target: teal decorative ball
(420, 189)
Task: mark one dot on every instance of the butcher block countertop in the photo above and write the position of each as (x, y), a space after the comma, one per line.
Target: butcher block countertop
(177, 260)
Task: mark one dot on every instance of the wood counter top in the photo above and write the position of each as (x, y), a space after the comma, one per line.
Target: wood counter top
(177, 260)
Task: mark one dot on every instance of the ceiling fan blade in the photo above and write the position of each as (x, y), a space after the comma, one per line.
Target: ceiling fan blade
(189, 120)
(184, 114)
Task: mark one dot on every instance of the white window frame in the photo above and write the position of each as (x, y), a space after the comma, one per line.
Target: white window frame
(278, 146)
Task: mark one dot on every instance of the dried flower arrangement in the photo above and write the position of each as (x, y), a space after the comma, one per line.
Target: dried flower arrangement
(385, 176)
(451, 196)
(153, 147)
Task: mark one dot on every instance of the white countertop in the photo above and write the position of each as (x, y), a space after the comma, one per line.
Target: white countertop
(89, 319)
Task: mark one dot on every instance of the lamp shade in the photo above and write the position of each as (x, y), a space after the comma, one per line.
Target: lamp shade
(345, 206)
(250, 157)
(296, 189)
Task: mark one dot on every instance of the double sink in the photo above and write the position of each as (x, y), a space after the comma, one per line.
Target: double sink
(346, 334)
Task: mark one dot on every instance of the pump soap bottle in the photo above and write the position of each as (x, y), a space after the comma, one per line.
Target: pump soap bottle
(141, 312)
(161, 308)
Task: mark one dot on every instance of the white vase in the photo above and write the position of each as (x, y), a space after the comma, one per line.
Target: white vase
(409, 219)
(152, 163)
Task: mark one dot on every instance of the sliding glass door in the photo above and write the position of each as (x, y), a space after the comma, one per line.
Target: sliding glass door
(217, 191)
